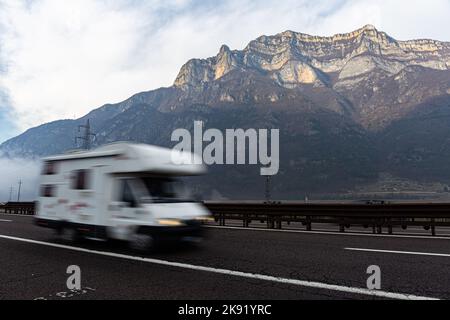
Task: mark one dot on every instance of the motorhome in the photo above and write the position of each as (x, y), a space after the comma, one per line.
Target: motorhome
(122, 191)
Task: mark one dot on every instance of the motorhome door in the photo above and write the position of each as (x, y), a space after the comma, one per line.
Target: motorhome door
(125, 209)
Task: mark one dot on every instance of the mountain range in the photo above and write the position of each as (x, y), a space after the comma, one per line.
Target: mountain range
(351, 108)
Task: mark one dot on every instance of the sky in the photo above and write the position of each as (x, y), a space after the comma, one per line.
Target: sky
(61, 59)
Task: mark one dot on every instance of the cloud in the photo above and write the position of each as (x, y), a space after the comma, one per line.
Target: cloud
(24, 170)
(61, 59)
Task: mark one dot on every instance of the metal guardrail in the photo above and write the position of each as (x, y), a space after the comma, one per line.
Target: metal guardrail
(345, 215)
(19, 208)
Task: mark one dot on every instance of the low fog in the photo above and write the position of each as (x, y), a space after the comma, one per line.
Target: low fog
(14, 170)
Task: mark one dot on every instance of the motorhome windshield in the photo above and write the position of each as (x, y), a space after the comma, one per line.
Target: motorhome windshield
(164, 189)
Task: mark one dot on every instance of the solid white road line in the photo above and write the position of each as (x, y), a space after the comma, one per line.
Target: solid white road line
(331, 233)
(309, 284)
(1, 220)
(401, 252)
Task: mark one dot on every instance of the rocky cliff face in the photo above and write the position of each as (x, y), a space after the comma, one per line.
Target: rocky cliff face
(364, 59)
(292, 59)
(350, 107)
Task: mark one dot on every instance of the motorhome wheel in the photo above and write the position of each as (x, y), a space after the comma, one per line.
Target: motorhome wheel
(68, 235)
(142, 242)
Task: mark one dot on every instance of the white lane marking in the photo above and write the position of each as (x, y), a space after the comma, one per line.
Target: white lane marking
(444, 235)
(302, 283)
(2, 220)
(351, 234)
(401, 252)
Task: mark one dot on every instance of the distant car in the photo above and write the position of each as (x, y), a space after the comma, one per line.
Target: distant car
(120, 191)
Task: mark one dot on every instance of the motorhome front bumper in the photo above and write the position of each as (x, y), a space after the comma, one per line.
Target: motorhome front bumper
(190, 229)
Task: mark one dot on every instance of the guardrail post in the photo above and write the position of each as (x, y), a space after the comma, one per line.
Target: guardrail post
(246, 221)
(308, 224)
(433, 228)
(279, 223)
(390, 229)
(271, 222)
(342, 225)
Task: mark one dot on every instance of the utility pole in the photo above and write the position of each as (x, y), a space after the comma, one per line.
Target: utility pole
(10, 194)
(86, 138)
(18, 193)
(268, 193)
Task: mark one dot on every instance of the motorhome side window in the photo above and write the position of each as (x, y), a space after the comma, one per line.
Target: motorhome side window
(80, 180)
(48, 191)
(50, 168)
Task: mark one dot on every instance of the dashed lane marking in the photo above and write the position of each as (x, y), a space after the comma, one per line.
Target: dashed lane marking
(400, 252)
(348, 234)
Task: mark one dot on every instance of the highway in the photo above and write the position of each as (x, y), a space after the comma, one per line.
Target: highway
(232, 264)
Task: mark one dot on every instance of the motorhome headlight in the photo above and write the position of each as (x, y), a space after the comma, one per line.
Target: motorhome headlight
(170, 222)
(205, 219)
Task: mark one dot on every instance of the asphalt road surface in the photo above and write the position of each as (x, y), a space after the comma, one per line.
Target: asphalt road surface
(232, 264)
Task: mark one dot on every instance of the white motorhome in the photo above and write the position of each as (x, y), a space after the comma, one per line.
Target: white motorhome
(120, 191)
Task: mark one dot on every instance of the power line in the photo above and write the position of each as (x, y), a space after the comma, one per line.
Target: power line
(268, 191)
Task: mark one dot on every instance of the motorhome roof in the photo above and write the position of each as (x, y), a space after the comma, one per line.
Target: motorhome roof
(141, 158)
